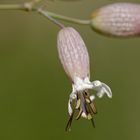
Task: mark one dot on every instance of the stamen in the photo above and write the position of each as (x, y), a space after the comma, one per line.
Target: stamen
(90, 104)
(93, 123)
(84, 105)
(79, 114)
(78, 104)
(68, 126)
(72, 106)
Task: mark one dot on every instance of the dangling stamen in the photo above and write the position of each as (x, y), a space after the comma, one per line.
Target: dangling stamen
(68, 126)
(85, 107)
(90, 103)
(79, 114)
(93, 123)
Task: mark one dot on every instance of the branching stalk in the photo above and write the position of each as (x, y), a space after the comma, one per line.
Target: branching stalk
(30, 6)
(45, 14)
(12, 7)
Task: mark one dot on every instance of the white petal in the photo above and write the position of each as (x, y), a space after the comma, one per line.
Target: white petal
(102, 89)
(107, 90)
(92, 97)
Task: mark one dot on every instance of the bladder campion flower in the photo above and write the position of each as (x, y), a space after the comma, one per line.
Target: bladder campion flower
(118, 19)
(74, 57)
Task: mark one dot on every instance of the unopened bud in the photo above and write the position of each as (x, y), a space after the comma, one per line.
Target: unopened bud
(119, 19)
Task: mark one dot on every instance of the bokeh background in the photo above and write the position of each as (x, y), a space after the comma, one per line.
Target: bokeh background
(34, 89)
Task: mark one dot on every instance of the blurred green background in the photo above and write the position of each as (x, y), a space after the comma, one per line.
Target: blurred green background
(34, 89)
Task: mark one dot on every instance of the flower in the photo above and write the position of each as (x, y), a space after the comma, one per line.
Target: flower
(118, 19)
(74, 58)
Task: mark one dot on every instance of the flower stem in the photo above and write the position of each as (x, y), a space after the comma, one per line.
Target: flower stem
(69, 19)
(12, 7)
(45, 14)
(29, 6)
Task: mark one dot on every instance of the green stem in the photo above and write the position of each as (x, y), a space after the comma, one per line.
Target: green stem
(65, 18)
(12, 7)
(45, 14)
(29, 6)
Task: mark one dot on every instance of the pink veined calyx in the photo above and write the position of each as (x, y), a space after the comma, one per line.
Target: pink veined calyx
(74, 58)
(118, 19)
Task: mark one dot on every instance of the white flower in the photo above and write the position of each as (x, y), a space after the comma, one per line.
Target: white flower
(74, 57)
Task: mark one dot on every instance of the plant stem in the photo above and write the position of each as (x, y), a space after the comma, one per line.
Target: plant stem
(12, 7)
(29, 6)
(65, 18)
(44, 13)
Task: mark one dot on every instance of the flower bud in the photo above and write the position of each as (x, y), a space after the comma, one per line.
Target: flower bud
(118, 19)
